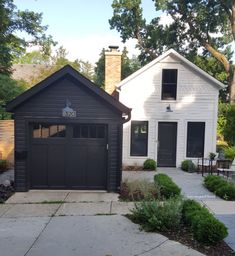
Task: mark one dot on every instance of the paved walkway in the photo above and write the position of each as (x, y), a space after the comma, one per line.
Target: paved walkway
(192, 187)
(77, 223)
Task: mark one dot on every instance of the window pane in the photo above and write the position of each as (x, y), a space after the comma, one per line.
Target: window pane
(45, 130)
(139, 138)
(84, 131)
(169, 84)
(36, 131)
(195, 139)
(92, 131)
(48, 130)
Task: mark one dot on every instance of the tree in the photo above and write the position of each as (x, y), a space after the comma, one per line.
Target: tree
(54, 63)
(202, 23)
(9, 89)
(13, 20)
(129, 66)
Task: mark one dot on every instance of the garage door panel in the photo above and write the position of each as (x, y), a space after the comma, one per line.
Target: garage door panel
(38, 166)
(76, 162)
(56, 166)
(96, 169)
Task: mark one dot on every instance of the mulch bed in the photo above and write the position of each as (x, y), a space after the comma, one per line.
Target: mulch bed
(6, 192)
(184, 236)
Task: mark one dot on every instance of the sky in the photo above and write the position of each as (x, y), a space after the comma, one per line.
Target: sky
(81, 26)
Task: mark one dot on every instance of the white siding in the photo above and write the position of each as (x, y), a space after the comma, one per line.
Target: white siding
(197, 100)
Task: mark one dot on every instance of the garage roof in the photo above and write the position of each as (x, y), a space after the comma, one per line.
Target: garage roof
(67, 70)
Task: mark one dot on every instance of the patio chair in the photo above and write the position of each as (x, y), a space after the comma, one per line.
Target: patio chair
(227, 171)
(203, 165)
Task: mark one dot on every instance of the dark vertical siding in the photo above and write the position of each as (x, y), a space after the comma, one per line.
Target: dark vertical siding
(47, 106)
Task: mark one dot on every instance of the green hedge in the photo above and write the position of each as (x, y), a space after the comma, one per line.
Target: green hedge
(205, 227)
(220, 187)
(150, 164)
(3, 165)
(158, 215)
(188, 166)
(166, 186)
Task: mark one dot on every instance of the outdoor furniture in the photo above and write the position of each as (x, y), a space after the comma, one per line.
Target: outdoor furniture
(204, 165)
(227, 171)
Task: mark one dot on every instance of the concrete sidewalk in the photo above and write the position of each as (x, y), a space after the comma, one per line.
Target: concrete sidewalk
(85, 236)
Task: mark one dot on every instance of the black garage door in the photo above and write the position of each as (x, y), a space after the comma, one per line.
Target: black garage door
(68, 156)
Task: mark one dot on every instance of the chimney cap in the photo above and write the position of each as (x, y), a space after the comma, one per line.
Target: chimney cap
(113, 47)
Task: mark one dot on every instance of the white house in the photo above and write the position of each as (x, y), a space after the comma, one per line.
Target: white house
(174, 112)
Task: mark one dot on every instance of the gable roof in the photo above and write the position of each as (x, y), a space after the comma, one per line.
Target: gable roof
(183, 59)
(66, 70)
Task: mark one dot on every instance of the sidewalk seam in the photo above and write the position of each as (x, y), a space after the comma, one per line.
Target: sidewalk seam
(50, 218)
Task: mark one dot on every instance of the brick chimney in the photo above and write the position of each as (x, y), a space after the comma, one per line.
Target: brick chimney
(112, 69)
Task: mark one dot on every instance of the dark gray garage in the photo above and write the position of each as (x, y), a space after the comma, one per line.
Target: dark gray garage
(68, 135)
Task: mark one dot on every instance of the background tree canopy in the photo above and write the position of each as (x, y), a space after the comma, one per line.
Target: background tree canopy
(194, 24)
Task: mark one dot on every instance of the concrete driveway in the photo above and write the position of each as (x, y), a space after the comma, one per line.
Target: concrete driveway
(76, 223)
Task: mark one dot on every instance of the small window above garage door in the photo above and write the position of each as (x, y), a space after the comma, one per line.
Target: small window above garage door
(44, 131)
(92, 131)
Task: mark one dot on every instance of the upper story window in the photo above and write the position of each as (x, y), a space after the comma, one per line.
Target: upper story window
(169, 84)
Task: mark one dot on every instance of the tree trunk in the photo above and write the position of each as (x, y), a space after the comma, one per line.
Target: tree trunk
(232, 88)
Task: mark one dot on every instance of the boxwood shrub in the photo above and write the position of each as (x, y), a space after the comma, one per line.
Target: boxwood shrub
(188, 166)
(150, 164)
(220, 187)
(167, 188)
(205, 227)
(3, 165)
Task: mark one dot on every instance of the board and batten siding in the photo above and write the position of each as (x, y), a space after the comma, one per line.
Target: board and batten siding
(197, 100)
(47, 106)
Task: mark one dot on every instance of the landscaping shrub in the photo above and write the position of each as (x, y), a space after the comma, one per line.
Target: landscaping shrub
(166, 186)
(138, 190)
(205, 227)
(226, 192)
(157, 215)
(188, 166)
(212, 183)
(220, 187)
(3, 165)
(150, 164)
(229, 153)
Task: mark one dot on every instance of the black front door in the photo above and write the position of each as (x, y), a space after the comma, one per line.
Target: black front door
(68, 156)
(167, 139)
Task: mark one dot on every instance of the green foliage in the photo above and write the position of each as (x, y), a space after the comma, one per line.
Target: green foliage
(12, 21)
(166, 186)
(157, 215)
(9, 89)
(138, 190)
(3, 165)
(227, 192)
(229, 153)
(150, 164)
(205, 227)
(213, 183)
(226, 123)
(188, 166)
(54, 63)
(220, 187)
(193, 24)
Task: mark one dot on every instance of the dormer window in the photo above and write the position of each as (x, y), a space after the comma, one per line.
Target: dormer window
(169, 84)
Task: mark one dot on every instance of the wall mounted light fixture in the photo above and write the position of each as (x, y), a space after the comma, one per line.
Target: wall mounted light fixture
(168, 108)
